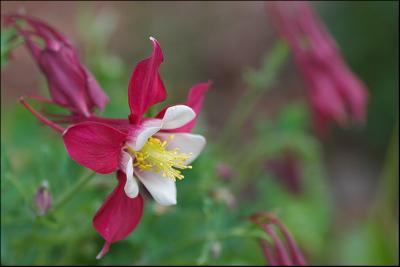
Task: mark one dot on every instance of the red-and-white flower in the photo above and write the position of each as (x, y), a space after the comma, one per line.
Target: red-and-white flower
(152, 151)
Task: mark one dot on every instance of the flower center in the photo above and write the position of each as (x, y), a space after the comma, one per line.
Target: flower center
(155, 157)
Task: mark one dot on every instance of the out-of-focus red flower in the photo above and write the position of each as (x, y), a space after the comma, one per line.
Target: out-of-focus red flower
(334, 92)
(287, 171)
(70, 83)
(279, 252)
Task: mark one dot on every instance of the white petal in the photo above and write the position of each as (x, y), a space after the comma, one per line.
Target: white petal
(131, 187)
(162, 189)
(177, 116)
(139, 137)
(187, 143)
(124, 159)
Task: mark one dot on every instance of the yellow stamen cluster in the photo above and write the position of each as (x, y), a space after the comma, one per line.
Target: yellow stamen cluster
(155, 157)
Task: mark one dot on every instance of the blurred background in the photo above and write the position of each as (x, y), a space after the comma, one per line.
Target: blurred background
(347, 208)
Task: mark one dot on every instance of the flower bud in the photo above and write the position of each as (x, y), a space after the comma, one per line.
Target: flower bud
(224, 171)
(216, 249)
(43, 199)
(287, 171)
(223, 195)
(70, 83)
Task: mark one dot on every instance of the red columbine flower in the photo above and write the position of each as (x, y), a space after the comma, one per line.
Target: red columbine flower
(152, 151)
(71, 84)
(276, 253)
(335, 93)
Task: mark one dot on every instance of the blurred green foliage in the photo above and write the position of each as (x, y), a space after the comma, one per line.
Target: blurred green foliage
(9, 40)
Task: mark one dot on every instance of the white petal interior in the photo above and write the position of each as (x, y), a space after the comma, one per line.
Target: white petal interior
(177, 116)
(131, 187)
(186, 143)
(148, 129)
(124, 159)
(162, 189)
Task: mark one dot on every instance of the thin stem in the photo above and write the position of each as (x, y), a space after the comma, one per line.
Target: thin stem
(42, 99)
(239, 116)
(258, 83)
(234, 233)
(46, 121)
(83, 180)
(19, 187)
(385, 201)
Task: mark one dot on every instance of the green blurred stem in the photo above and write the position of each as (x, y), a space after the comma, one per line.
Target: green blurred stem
(82, 181)
(389, 188)
(18, 186)
(248, 166)
(257, 85)
(233, 233)
(384, 214)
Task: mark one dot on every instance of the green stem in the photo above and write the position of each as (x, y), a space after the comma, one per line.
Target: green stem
(239, 117)
(16, 43)
(234, 233)
(258, 82)
(389, 180)
(19, 187)
(82, 181)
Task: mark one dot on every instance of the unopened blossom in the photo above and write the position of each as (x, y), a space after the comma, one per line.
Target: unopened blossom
(43, 199)
(225, 196)
(152, 151)
(279, 252)
(71, 84)
(216, 249)
(224, 171)
(287, 171)
(334, 92)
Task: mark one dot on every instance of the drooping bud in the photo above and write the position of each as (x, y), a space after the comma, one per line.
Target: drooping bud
(70, 83)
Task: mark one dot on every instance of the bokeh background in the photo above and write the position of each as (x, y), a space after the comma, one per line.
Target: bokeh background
(348, 212)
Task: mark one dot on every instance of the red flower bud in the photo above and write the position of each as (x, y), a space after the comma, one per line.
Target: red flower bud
(43, 199)
(71, 84)
(224, 171)
(287, 171)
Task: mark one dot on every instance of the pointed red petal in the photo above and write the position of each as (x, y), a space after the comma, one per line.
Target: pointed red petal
(195, 101)
(145, 86)
(94, 145)
(118, 216)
